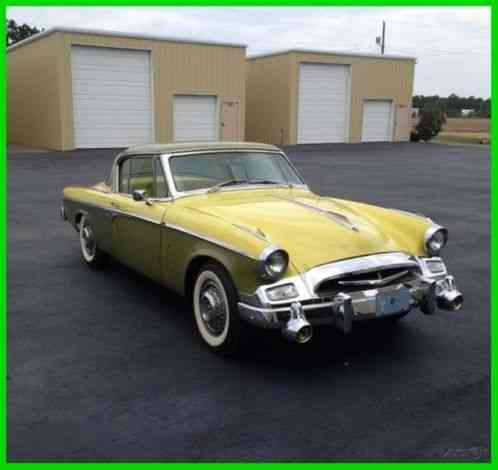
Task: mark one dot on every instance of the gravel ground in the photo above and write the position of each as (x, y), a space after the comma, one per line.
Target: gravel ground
(105, 366)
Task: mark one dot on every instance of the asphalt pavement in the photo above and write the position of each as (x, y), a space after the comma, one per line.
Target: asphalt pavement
(106, 366)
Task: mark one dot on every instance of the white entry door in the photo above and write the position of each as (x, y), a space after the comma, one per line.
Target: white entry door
(323, 109)
(112, 97)
(195, 118)
(377, 121)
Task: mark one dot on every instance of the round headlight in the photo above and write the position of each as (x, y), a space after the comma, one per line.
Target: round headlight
(274, 263)
(435, 239)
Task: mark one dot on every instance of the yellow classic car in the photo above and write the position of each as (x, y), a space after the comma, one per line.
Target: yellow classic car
(233, 227)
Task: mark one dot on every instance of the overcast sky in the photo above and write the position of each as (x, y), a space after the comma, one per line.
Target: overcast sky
(452, 44)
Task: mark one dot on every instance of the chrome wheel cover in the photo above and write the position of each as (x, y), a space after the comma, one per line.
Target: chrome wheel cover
(213, 310)
(87, 239)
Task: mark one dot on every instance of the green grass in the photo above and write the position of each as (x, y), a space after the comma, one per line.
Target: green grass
(475, 138)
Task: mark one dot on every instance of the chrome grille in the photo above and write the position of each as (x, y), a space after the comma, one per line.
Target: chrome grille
(352, 282)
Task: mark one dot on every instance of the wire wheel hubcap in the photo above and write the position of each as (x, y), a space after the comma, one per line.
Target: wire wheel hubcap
(213, 310)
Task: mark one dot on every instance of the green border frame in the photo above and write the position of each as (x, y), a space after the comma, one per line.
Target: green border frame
(4, 202)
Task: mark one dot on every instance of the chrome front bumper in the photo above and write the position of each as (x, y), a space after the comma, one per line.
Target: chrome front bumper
(429, 291)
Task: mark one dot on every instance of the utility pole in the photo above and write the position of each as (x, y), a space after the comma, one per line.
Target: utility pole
(383, 44)
(381, 40)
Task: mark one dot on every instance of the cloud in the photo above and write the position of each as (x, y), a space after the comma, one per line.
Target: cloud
(452, 44)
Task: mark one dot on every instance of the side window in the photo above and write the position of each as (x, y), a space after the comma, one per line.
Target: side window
(161, 186)
(142, 173)
(124, 176)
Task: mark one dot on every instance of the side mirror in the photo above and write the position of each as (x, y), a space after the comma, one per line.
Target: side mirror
(139, 195)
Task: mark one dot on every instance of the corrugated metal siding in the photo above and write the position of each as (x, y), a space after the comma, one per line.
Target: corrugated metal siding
(269, 100)
(33, 99)
(371, 78)
(112, 97)
(273, 90)
(176, 68)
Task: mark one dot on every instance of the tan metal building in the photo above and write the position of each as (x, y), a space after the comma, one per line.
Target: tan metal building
(72, 88)
(302, 96)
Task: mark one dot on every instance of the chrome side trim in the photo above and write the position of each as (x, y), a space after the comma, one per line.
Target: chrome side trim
(412, 214)
(87, 204)
(113, 210)
(117, 212)
(221, 244)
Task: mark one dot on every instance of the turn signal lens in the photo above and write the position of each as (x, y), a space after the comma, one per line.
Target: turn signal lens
(287, 291)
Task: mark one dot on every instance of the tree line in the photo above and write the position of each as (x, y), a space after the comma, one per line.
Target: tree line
(453, 105)
(17, 32)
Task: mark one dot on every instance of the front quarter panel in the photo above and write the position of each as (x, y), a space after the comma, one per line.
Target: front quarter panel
(190, 235)
(405, 229)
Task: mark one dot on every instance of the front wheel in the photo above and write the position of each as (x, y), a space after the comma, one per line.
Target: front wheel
(91, 253)
(214, 301)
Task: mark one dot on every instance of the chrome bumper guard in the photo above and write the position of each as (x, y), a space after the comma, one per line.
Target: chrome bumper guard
(295, 318)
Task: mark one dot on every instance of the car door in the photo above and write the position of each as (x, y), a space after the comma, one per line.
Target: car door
(137, 224)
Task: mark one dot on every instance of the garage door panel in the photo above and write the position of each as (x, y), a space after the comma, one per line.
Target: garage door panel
(195, 118)
(323, 103)
(377, 121)
(112, 97)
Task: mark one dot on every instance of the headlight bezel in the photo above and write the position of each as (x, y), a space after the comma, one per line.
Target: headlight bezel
(430, 233)
(265, 270)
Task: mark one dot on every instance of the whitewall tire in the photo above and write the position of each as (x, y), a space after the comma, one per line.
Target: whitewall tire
(92, 255)
(214, 302)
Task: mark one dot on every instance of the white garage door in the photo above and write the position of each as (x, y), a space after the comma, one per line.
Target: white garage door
(323, 103)
(377, 121)
(112, 98)
(195, 118)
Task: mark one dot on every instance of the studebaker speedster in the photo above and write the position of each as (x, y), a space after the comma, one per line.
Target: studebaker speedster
(233, 227)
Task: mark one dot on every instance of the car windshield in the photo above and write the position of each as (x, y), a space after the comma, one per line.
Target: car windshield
(215, 170)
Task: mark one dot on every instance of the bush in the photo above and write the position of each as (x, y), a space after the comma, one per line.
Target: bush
(414, 137)
(429, 124)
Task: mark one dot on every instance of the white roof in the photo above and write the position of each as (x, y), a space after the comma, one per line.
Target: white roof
(117, 34)
(329, 52)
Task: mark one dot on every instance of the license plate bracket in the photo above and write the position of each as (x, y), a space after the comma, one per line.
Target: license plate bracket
(392, 302)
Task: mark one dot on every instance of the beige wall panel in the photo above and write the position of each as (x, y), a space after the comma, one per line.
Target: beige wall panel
(269, 100)
(177, 68)
(371, 78)
(40, 105)
(33, 100)
(273, 84)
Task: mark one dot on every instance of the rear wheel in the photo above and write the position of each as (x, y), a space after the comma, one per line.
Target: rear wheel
(214, 302)
(91, 253)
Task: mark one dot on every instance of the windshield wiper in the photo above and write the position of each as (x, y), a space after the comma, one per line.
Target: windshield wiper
(270, 182)
(216, 187)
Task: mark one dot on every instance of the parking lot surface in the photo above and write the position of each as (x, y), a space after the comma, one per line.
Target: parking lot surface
(106, 366)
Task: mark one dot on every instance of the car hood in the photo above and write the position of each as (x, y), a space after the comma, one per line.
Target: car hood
(314, 230)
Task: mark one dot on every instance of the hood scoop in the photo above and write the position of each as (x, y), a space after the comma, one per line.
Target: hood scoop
(335, 216)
